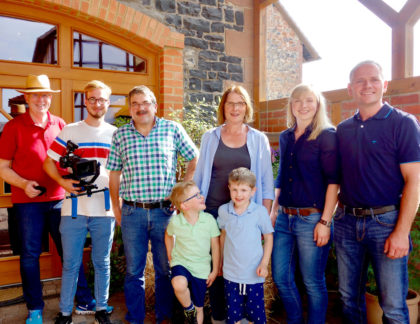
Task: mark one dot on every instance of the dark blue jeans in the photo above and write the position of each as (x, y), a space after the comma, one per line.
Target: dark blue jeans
(358, 241)
(138, 226)
(294, 240)
(33, 220)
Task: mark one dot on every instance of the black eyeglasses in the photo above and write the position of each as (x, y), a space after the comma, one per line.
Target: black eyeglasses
(197, 195)
(93, 100)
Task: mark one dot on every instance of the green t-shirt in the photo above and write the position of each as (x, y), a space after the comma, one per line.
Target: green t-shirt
(193, 242)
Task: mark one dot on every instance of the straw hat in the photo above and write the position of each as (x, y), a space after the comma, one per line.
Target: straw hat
(37, 83)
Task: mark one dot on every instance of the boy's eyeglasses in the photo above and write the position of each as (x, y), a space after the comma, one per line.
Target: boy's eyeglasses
(197, 195)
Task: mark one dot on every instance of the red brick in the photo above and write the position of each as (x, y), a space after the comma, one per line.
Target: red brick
(173, 67)
(172, 52)
(415, 109)
(349, 105)
(403, 100)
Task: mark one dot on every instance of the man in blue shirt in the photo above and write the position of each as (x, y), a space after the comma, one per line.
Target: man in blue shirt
(379, 149)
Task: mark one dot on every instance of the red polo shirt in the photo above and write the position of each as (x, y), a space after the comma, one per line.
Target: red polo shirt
(26, 145)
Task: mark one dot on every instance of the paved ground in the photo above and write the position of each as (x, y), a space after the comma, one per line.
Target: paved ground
(16, 314)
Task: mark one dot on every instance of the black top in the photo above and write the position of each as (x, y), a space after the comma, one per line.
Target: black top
(225, 160)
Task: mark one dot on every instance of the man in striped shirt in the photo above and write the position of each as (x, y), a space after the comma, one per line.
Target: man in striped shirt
(85, 213)
(142, 162)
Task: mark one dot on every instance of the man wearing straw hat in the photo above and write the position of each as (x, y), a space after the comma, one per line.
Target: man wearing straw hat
(36, 197)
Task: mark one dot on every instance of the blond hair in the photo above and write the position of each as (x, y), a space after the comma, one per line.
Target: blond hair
(320, 120)
(249, 112)
(95, 84)
(242, 176)
(177, 196)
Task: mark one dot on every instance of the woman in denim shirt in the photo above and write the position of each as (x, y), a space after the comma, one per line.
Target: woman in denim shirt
(231, 145)
(305, 198)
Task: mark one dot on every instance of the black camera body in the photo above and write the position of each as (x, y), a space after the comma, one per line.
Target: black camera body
(83, 170)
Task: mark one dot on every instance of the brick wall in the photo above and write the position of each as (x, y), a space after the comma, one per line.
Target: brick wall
(403, 94)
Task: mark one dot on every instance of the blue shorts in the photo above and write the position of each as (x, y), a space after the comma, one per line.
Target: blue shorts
(245, 301)
(197, 286)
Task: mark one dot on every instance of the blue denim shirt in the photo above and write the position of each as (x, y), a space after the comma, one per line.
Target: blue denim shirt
(259, 151)
(307, 168)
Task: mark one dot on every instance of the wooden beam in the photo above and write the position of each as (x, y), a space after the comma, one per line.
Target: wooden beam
(402, 33)
(410, 13)
(382, 10)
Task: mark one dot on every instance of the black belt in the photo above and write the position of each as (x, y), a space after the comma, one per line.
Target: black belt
(301, 211)
(361, 212)
(152, 205)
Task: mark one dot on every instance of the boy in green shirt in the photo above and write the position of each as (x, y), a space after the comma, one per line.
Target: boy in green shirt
(189, 238)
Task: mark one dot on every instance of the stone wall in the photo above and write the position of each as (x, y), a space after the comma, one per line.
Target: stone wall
(283, 56)
(203, 22)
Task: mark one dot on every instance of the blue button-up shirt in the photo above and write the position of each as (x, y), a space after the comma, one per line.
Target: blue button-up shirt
(306, 168)
(371, 152)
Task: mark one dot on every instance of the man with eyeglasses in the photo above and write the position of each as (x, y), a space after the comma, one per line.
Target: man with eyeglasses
(86, 211)
(142, 162)
(36, 198)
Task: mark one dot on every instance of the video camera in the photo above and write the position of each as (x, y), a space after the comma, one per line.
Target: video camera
(83, 170)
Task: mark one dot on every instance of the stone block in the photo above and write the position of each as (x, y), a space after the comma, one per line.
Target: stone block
(223, 76)
(230, 59)
(209, 2)
(212, 86)
(195, 42)
(214, 38)
(211, 75)
(210, 13)
(229, 15)
(198, 74)
(204, 65)
(238, 77)
(217, 27)
(209, 55)
(165, 5)
(239, 18)
(218, 66)
(197, 24)
(174, 20)
(194, 84)
(188, 8)
(235, 68)
(217, 46)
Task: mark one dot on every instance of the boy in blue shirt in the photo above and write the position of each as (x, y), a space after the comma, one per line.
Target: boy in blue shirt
(189, 238)
(245, 260)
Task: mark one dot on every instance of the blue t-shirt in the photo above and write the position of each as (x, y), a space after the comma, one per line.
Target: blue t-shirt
(371, 152)
(306, 168)
(243, 248)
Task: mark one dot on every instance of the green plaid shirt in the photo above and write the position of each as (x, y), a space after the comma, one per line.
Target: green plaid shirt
(148, 163)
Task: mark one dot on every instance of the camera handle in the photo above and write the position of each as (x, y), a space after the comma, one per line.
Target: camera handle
(74, 202)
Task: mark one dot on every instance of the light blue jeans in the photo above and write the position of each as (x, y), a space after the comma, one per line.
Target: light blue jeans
(138, 226)
(294, 241)
(73, 236)
(358, 241)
